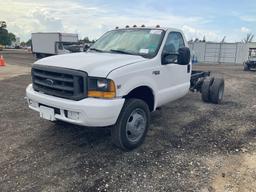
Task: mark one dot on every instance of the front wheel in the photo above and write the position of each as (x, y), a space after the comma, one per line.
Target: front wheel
(131, 127)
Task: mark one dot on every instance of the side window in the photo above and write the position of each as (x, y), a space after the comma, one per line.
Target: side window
(59, 46)
(173, 42)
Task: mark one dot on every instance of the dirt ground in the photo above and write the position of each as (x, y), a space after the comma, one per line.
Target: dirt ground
(18, 57)
(18, 62)
(191, 145)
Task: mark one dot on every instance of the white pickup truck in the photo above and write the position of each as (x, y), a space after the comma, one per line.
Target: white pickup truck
(124, 76)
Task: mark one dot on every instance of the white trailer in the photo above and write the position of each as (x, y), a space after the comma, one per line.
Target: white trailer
(47, 44)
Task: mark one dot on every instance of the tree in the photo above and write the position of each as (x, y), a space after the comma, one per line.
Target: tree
(248, 39)
(3, 25)
(6, 38)
(196, 40)
(12, 37)
(86, 40)
(22, 44)
(29, 42)
(204, 39)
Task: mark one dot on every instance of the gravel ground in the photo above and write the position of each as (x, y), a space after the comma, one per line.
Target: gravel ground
(191, 145)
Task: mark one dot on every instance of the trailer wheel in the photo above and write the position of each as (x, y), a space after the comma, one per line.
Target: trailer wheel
(246, 67)
(131, 127)
(205, 89)
(217, 90)
(38, 55)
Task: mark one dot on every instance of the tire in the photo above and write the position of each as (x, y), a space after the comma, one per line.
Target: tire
(246, 67)
(131, 127)
(217, 90)
(205, 89)
(38, 55)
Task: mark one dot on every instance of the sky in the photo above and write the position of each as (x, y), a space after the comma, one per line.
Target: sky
(213, 19)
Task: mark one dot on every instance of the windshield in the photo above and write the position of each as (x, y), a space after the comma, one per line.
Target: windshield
(144, 42)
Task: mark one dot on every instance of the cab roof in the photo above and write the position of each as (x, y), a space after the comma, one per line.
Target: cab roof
(151, 28)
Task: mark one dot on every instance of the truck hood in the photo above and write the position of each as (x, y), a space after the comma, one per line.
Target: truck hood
(95, 64)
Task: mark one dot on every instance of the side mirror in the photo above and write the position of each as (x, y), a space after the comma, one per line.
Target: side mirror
(183, 56)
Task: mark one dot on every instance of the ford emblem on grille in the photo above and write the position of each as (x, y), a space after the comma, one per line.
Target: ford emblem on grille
(49, 81)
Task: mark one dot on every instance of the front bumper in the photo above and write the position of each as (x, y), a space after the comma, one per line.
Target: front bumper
(88, 112)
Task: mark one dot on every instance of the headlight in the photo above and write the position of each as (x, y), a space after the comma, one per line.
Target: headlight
(101, 88)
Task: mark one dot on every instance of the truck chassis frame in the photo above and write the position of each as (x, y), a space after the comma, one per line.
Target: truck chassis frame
(211, 88)
(197, 79)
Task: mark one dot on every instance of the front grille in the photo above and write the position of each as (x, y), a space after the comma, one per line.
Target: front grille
(60, 82)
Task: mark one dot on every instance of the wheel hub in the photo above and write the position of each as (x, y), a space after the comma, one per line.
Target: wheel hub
(136, 125)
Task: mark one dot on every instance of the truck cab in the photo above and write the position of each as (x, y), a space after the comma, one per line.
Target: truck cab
(125, 75)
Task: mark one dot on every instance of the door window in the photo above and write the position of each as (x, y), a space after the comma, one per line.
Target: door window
(173, 42)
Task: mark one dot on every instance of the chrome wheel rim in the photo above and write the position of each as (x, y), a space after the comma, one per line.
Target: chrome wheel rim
(136, 125)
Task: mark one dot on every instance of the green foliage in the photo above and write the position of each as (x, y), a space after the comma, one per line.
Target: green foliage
(22, 44)
(3, 25)
(86, 40)
(6, 38)
(12, 37)
(29, 42)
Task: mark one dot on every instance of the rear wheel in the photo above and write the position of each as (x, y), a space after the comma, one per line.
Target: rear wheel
(38, 55)
(246, 67)
(205, 89)
(217, 90)
(132, 125)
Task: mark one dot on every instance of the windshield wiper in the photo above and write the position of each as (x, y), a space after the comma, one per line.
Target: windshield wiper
(122, 51)
(94, 49)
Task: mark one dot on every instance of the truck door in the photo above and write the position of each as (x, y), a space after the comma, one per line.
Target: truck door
(60, 49)
(174, 79)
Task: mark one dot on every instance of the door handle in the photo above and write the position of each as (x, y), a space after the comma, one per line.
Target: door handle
(188, 68)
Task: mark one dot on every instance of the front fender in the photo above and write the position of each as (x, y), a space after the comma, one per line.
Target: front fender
(124, 87)
(132, 83)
